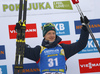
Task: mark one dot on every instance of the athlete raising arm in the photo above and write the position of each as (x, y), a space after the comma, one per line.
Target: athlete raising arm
(52, 56)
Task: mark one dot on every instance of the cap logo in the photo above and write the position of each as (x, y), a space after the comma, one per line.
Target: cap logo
(53, 28)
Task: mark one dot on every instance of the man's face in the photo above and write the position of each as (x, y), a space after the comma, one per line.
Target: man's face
(50, 36)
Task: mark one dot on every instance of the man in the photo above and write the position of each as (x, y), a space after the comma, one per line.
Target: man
(52, 56)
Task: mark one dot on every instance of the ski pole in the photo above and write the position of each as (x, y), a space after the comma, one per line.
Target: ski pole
(87, 25)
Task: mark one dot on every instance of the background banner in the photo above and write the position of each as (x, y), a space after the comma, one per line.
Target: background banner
(64, 15)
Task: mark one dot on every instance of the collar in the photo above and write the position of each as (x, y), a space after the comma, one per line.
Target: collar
(53, 44)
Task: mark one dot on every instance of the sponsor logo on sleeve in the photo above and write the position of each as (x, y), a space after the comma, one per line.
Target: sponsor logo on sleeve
(31, 31)
(89, 65)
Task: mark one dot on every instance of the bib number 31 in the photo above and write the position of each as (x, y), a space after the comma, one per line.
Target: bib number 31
(52, 62)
